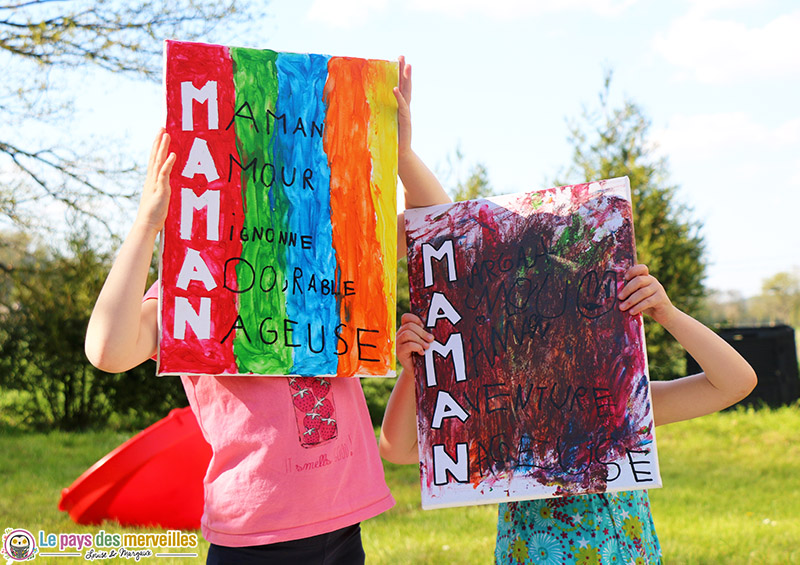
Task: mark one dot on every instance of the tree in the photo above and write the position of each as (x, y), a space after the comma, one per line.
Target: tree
(614, 142)
(43, 320)
(40, 40)
(779, 301)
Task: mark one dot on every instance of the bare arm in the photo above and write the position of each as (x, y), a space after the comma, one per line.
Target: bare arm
(122, 330)
(726, 377)
(398, 441)
(420, 185)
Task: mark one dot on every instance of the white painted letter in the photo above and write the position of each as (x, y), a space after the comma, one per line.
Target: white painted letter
(200, 322)
(189, 203)
(206, 94)
(441, 308)
(430, 252)
(447, 407)
(442, 463)
(453, 346)
(195, 269)
(200, 161)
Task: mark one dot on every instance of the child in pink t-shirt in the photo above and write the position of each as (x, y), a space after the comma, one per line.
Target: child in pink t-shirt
(273, 493)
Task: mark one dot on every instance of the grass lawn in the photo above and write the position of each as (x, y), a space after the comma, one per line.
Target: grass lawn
(731, 495)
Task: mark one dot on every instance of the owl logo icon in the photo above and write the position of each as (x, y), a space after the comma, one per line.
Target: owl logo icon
(18, 545)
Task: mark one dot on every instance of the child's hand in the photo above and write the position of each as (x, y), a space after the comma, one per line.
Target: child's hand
(402, 93)
(155, 194)
(411, 338)
(643, 293)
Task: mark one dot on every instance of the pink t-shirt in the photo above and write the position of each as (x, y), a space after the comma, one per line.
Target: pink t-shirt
(292, 458)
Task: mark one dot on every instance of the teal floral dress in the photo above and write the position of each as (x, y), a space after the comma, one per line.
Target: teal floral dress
(603, 529)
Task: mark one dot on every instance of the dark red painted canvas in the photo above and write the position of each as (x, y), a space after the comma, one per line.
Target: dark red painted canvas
(536, 385)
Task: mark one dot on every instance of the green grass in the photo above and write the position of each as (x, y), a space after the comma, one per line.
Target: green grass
(731, 488)
(731, 495)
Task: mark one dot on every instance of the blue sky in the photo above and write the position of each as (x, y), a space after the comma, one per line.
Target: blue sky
(720, 80)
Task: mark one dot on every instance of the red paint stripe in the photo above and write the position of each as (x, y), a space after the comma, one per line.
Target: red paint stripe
(200, 63)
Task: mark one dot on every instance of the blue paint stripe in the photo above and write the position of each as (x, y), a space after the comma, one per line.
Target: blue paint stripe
(301, 84)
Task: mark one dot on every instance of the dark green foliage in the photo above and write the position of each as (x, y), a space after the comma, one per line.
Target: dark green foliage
(377, 392)
(44, 313)
(614, 143)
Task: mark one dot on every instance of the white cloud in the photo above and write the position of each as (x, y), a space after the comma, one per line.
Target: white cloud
(724, 51)
(707, 6)
(506, 9)
(703, 135)
(345, 13)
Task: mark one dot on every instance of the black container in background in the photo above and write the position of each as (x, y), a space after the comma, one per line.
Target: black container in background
(772, 352)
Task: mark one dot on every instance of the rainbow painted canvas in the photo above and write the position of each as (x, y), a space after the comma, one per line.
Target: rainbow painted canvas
(537, 384)
(279, 250)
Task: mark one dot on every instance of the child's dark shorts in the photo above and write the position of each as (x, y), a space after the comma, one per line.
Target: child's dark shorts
(340, 547)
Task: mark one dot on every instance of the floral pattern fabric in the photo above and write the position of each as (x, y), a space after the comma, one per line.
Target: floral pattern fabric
(606, 528)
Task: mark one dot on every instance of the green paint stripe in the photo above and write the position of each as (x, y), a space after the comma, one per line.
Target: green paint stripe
(256, 83)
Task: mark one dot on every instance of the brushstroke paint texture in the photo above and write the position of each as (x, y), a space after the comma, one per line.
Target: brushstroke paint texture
(346, 139)
(255, 77)
(537, 288)
(381, 78)
(288, 115)
(198, 64)
(301, 84)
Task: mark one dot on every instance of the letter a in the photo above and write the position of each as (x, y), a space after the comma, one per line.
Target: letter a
(195, 269)
(447, 407)
(200, 161)
(441, 308)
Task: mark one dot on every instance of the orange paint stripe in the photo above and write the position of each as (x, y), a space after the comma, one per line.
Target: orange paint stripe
(354, 221)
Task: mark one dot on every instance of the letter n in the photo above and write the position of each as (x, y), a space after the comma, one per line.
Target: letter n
(185, 315)
(206, 94)
(443, 464)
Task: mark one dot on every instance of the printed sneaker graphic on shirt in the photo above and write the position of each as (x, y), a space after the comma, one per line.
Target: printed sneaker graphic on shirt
(314, 410)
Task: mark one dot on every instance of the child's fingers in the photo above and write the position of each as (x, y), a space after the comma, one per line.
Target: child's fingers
(418, 332)
(636, 271)
(409, 318)
(404, 79)
(413, 333)
(163, 150)
(166, 168)
(154, 149)
(402, 104)
(637, 298)
(406, 84)
(645, 304)
(632, 286)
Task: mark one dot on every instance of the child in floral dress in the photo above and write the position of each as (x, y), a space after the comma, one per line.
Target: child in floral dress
(602, 528)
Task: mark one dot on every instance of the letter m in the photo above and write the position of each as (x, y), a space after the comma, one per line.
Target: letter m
(205, 95)
(430, 252)
(210, 200)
